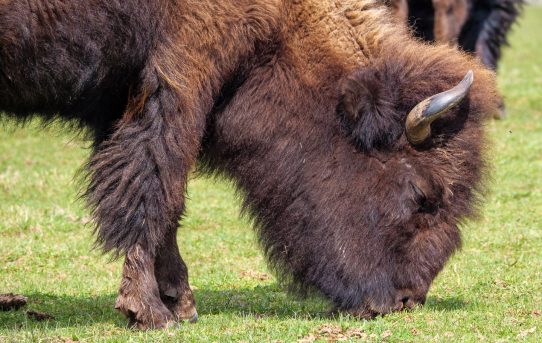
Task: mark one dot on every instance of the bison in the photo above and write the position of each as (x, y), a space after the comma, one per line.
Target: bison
(358, 150)
(477, 26)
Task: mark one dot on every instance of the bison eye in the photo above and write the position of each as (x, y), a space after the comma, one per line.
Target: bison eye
(425, 203)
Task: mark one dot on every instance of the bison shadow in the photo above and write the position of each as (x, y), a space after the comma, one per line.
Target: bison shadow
(269, 301)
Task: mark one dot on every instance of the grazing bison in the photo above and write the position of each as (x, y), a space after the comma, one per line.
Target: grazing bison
(486, 27)
(433, 20)
(476, 26)
(325, 113)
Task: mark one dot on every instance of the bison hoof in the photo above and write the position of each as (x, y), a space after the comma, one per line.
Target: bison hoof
(144, 315)
(180, 303)
(501, 111)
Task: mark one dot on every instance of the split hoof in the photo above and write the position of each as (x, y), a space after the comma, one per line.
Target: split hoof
(145, 316)
(181, 303)
(406, 299)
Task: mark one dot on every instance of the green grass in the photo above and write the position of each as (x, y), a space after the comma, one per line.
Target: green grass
(491, 290)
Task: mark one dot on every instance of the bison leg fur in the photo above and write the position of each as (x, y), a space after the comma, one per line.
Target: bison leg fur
(172, 276)
(136, 194)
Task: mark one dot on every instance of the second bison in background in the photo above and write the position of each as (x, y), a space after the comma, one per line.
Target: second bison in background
(476, 26)
(324, 113)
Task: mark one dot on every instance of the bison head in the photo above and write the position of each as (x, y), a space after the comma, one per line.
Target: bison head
(419, 126)
(365, 207)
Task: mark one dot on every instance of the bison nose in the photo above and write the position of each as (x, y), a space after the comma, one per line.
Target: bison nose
(405, 299)
(409, 302)
(403, 303)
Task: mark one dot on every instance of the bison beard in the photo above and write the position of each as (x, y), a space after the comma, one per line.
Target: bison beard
(276, 95)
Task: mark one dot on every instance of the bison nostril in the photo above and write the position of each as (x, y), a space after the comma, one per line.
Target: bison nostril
(398, 306)
(401, 303)
(410, 303)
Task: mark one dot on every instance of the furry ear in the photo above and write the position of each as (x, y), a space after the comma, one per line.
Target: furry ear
(367, 108)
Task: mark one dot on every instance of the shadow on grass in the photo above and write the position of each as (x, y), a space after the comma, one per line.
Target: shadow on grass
(446, 304)
(260, 302)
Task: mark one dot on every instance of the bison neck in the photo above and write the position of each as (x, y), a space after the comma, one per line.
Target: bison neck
(279, 139)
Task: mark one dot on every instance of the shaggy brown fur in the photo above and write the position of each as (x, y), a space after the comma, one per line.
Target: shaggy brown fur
(276, 95)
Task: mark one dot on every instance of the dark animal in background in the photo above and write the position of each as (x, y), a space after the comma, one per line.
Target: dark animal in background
(323, 113)
(433, 20)
(485, 30)
(476, 26)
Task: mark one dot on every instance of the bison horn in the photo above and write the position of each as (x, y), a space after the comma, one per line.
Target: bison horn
(418, 122)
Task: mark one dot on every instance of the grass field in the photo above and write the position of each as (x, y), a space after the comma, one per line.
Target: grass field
(490, 291)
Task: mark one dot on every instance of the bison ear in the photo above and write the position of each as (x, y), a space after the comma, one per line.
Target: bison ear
(367, 109)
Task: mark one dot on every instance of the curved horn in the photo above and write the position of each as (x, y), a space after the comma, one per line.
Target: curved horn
(418, 122)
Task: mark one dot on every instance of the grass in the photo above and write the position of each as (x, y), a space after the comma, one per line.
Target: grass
(489, 291)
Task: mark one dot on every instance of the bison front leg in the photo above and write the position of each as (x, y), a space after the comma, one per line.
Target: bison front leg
(172, 276)
(136, 193)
